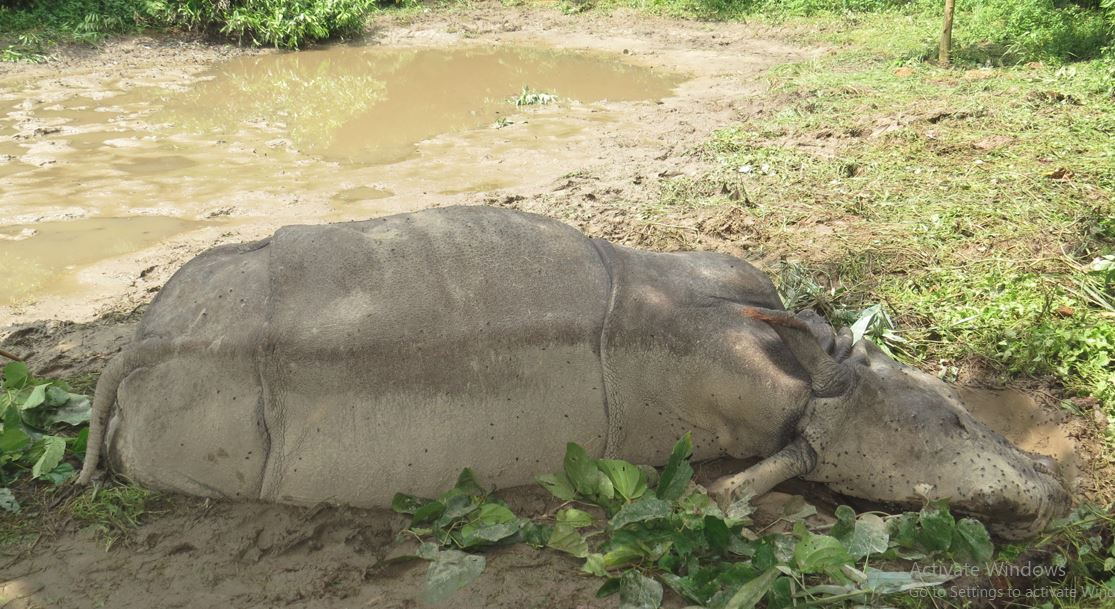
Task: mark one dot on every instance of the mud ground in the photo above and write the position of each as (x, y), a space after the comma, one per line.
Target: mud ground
(197, 553)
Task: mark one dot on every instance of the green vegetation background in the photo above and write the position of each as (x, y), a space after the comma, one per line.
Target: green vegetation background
(1017, 30)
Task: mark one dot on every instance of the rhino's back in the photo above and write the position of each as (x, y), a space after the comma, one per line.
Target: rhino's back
(366, 358)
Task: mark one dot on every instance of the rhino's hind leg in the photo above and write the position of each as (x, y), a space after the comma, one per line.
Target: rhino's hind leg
(795, 459)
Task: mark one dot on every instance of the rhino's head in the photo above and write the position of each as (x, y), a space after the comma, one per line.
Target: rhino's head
(885, 432)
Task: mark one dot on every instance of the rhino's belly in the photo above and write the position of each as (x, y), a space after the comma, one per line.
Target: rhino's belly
(330, 434)
(372, 358)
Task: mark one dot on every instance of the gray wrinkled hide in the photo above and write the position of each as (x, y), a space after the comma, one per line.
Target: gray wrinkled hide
(348, 362)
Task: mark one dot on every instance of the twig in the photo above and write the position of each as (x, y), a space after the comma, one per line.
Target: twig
(14, 358)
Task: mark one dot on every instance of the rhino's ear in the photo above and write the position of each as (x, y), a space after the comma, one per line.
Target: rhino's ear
(828, 377)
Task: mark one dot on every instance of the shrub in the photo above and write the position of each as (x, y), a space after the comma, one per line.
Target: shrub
(281, 23)
(1035, 29)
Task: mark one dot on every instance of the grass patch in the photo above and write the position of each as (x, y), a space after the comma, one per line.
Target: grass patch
(114, 511)
(976, 205)
(111, 513)
(985, 31)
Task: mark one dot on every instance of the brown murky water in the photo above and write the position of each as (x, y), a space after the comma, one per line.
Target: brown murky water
(372, 105)
(95, 169)
(34, 255)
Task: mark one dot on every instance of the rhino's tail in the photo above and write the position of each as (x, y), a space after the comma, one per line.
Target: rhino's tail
(145, 353)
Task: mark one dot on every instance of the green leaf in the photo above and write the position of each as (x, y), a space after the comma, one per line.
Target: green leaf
(574, 518)
(53, 449)
(594, 565)
(845, 522)
(637, 591)
(622, 555)
(739, 512)
(647, 508)
(937, 526)
(450, 571)
(973, 541)
(890, 582)
(8, 501)
(868, 536)
(467, 484)
(79, 443)
(16, 375)
(60, 474)
(717, 534)
(428, 513)
(407, 504)
(753, 591)
(36, 398)
(904, 530)
(817, 553)
(585, 477)
(56, 396)
(491, 523)
(456, 506)
(13, 439)
(566, 539)
(427, 551)
(628, 480)
(536, 535)
(558, 485)
(76, 411)
(581, 469)
(677, 473)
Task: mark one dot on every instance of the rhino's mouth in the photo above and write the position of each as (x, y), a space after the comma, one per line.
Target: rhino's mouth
(1023, 518)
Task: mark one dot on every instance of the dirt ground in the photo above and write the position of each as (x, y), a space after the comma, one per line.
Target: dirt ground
(214, 554)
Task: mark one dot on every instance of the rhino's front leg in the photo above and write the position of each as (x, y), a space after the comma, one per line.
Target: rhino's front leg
(795, 459)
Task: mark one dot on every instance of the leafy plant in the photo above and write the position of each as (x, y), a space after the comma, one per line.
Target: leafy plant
(527, 97)
(641, 531)
(464, 517)
(32, 411)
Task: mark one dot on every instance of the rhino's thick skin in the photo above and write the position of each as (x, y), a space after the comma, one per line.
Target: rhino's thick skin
(351, 361)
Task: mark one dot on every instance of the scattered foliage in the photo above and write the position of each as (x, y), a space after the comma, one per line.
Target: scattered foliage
(34, 413)
(641, 532)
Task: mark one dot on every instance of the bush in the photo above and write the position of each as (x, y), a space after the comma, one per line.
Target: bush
(281, 23)
(76, 20)
(1035, 29)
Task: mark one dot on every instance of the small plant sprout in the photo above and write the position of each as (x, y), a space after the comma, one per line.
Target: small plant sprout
(527, 97)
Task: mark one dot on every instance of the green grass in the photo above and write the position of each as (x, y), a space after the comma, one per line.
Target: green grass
(985, 31)
(973, 204)
(111, 513)
(114, 511)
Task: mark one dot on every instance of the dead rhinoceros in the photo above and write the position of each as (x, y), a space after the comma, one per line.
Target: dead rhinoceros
(346, 362)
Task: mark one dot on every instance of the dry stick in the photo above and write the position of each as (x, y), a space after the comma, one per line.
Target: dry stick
(14, 358)
(946, 34)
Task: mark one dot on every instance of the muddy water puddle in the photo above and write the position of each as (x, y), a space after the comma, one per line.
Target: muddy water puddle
(107, 166)
(42, 257)
(372, 105)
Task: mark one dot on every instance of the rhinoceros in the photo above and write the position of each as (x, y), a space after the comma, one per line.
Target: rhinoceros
(346, 362)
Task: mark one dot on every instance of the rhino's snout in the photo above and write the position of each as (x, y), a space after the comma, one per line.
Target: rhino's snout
(1044, 498)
